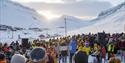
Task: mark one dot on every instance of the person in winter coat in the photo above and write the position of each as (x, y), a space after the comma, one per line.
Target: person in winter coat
(87, 48)
(7, 51)
(6, 48)
(80, 57)
(114, 60)
(18, 58)
(54, 55)
(103, 53)
(110, 50)
(38, 55)
(73, 47)
(50, 56)
(1, 47)
(2, 58)
(64, 52)
(122, 47)
(80, 47)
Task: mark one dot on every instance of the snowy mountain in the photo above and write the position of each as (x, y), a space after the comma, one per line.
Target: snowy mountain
(112, 20)
(112, 10)
(14, 14)
(16, 19)
(70, 22)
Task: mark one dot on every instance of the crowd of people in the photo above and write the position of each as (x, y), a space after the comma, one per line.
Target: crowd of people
(78, 49)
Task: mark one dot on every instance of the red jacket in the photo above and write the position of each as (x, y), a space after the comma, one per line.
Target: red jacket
(6, 49)
(103, 52)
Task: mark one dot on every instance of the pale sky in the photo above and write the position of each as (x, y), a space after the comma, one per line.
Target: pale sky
(114, 2)
(84, 9)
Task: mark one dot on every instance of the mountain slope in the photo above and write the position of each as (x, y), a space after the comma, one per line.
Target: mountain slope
(71, 21)
(14, 14)
(112, 20)
(15, 19)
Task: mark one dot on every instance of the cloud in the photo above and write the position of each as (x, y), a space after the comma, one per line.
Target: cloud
(73, 8)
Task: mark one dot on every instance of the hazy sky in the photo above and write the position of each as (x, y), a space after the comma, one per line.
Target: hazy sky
(85, 9)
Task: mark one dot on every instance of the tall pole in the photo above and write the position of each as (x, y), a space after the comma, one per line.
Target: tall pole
(97, 34)
(12, 34)
(65, 26)
(124, 28)
(66, 36)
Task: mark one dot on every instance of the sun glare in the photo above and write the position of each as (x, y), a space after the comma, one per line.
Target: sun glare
(48, 14)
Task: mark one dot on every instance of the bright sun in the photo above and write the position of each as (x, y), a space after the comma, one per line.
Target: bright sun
(48, 14)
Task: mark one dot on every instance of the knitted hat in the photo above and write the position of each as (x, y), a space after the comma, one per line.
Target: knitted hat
(37, 54)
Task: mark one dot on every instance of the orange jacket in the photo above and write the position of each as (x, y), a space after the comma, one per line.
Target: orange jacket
(3, 61)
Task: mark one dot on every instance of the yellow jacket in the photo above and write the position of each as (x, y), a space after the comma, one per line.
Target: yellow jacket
(110, 49)
(87, 50)
(80, 48)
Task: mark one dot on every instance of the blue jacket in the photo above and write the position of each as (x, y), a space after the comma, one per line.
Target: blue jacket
(73, 45)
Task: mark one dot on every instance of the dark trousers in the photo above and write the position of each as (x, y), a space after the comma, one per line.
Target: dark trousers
(71, 55)
(109, 55)
(64, 59)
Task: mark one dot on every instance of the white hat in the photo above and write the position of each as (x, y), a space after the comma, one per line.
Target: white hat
(18, 58)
